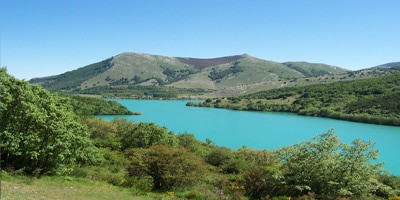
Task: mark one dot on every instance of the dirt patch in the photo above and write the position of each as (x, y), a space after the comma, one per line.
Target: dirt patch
(203, 63)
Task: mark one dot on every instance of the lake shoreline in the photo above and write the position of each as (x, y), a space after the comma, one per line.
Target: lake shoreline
(259, 130)
(204, 105)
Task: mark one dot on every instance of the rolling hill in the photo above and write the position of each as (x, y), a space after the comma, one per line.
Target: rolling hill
(388, 65)
(374, 100)
(223, 76)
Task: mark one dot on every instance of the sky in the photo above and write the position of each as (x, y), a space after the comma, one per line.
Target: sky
(47, 37)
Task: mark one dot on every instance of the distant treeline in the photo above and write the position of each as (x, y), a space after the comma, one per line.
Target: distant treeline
(89, 106)
(375, 100)
(135, 91)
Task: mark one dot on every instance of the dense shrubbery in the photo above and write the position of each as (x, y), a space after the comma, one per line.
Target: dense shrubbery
(167, 166)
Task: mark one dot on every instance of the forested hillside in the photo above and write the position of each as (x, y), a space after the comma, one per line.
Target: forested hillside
(89, 106)
(374, 100)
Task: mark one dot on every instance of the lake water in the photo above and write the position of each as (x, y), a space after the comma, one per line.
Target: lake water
(261, 130)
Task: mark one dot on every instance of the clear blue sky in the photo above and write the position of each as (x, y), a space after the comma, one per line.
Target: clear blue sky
(48, 37)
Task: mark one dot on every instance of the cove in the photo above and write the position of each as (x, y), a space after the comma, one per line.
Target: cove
(260, 130)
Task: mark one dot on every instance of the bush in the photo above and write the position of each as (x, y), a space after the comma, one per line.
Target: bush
(167, 166)
(143, 135)
(263, 181)
(330, 168)
(219, 157)
(103, 133)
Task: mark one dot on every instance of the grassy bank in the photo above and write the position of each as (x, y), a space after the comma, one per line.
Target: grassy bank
(58, 187)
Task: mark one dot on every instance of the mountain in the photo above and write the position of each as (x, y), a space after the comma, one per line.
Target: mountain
(388, 65)
(230, 75)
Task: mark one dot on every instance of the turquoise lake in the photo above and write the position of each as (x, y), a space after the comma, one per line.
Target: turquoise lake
(260, 130)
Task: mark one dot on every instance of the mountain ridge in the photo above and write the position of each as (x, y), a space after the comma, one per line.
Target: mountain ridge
(225, 76)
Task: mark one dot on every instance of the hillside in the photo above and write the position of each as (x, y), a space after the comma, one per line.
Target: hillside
(223, 76)
(389, 65)
(374, 100)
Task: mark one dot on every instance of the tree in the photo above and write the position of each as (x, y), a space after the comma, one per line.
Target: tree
(330, 168)
(167, 166)
(39, 131)
(219, 156)
(260, 182)
(103, 133)
(145, 135)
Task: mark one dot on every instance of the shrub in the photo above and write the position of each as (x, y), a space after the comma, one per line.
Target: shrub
(167, 166)
(263, 181)
(103, 133)
(143, 135)
(219, 157)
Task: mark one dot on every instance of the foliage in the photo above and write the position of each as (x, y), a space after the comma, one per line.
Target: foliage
(193, 145)
(313, 69)
(177, 75)
(145, 135)
(88, 106)
(39, 131)
(73, 79)
(261, 182)
(216, 75)
(167, 166)
(329, 168)
(394, 198)
(136, 91)
(219, 157)
(103, 133)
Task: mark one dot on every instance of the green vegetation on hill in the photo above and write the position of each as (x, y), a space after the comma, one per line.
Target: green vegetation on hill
(134, 91)
(89, 106)
(225, 76)
(42, 136)
(73, 79)
(232, 70)
(374, 100)
(313, 70)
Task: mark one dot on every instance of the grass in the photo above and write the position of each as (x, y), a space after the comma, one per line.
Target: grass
(58, 187)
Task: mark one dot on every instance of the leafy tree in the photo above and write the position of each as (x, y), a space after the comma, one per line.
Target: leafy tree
(103, 133)
(219, 156)
(145, 135)
(330, 168)
(167, 166)
(260, 182)
(39, 131)
(254, 157)
(197, 147)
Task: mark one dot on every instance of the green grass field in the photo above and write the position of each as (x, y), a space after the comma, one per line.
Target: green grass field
(58, 187)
